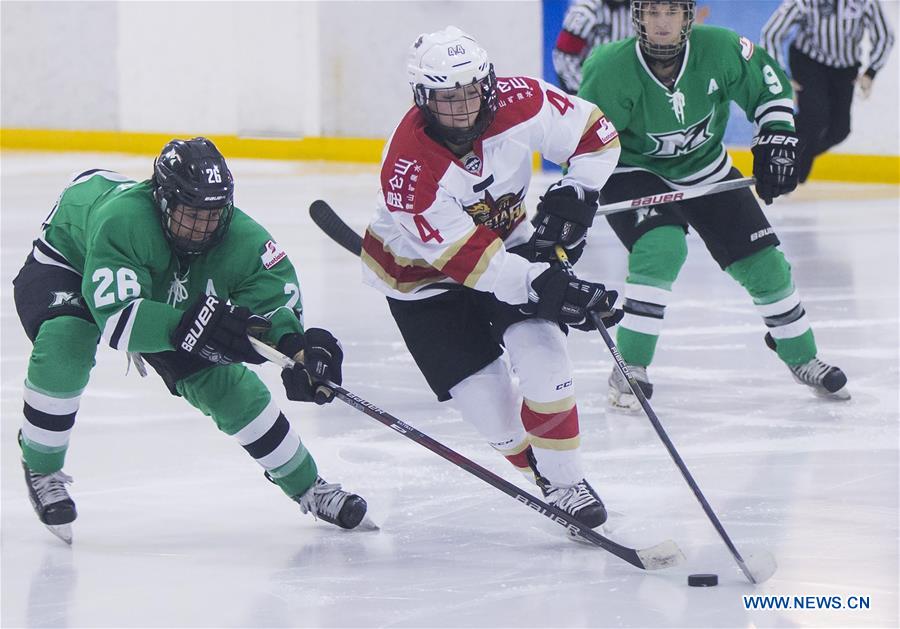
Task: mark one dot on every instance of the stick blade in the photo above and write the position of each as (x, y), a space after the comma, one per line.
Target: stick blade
(666, 554)
(761, 564)
(336, 229)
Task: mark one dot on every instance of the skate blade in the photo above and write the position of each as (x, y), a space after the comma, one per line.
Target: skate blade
(62, 531)
(841, 395)
(367, 524)
(578, 539)
(625, 403)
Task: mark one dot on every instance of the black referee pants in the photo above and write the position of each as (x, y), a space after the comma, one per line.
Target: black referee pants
(823, 105)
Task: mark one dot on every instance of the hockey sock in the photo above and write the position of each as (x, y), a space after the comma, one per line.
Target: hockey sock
(554, 435)
(58, 371)
(766, 275)
(241, 406)
(653, 265)
(539, 357)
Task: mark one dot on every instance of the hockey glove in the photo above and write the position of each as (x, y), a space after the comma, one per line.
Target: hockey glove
(217, 332)
(775, 155)
(563, 217)
(318, 357)
(557, 295)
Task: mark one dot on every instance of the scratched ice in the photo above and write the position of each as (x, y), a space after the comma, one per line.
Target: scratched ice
(177, 526)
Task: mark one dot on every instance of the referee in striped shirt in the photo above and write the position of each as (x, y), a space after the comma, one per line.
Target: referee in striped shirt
(824, 63)
(586, 25)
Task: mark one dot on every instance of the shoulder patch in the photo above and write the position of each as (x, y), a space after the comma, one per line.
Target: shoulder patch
(606, 131)
(272, 255)
(399, 183)
(746, 48)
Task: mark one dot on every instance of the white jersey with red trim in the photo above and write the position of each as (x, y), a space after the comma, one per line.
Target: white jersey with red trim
(443, 219)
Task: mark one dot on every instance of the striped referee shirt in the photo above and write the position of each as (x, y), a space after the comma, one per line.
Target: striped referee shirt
(830, 32)
(586, 25)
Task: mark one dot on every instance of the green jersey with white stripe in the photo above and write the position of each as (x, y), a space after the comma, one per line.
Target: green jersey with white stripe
(107, 228)
(678, 133)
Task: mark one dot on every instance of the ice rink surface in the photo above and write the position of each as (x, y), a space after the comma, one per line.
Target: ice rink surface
(178, 527)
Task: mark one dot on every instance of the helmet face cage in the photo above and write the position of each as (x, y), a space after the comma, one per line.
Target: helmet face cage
(662, 52)
(194, 190)
(447, 111)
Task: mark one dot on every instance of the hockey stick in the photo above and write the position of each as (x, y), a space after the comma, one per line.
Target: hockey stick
(330, 223)
(676, 195)
(764, 565)
(663, 555)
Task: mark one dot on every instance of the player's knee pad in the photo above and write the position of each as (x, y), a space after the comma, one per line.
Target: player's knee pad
(231, 394)
(489, 401)
(657, 256)
(766, 275)
(63, 355)
(539, 357)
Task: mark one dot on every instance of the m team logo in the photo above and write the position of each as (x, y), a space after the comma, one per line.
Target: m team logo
(58, 299)
(683, 141)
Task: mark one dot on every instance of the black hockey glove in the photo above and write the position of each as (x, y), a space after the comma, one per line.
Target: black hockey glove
(563, 217)
(557, 295)
(775, 155)
(318, 356)
(217, 332)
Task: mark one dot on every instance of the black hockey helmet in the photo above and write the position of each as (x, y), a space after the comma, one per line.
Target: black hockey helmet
(640, 9)
(194, 191)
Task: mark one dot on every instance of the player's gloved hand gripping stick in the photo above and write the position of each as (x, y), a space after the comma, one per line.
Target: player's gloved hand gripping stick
(758, 567)
(663, 555)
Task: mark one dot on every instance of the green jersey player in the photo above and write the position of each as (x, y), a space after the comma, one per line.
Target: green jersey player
(668, 92)
(171, 272)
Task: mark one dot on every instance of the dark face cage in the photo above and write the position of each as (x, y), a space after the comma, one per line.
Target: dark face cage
(454, 105)
(641, 10)
(192, 231)
(194, 190)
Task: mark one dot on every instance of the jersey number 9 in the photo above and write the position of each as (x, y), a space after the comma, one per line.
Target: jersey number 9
(772, 80)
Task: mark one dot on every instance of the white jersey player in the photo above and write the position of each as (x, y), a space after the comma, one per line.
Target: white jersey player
(466, 275)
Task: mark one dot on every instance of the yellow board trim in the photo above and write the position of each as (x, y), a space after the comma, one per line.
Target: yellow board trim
(367, 150)
(838, 167)
(828, 167)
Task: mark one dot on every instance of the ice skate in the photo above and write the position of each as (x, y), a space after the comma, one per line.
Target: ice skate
(578, 500)
(826, 381)
(327, 501)
(52, 503)
(620, 395)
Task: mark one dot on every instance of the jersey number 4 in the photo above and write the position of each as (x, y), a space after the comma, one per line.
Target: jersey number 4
(426, 231)
(559, 101)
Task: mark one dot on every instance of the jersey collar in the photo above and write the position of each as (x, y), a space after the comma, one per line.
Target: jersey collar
(684, 62)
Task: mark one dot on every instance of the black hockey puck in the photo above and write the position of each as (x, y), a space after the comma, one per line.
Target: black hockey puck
(703, 580)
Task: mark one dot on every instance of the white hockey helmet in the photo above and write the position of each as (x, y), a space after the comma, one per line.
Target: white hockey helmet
(450, 59)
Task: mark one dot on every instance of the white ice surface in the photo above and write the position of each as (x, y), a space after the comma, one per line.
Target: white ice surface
(177, 526)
